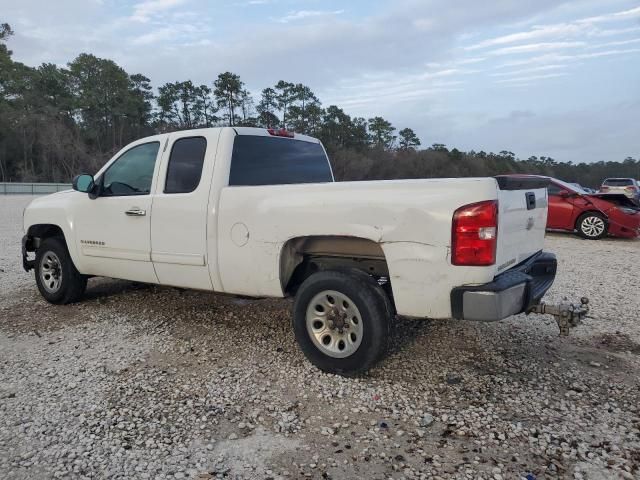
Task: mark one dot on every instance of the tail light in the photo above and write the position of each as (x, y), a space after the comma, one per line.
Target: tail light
(282, 132)
(604, 188)
(474, 234)
(631, 189)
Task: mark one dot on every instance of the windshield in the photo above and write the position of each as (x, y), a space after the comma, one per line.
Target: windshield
(572, 187)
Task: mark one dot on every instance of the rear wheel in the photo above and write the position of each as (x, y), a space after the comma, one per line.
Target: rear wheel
(592, 225)
(341, 321)
(56, 276)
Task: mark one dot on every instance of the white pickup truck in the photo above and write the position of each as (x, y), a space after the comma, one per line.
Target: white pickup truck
(256, 212)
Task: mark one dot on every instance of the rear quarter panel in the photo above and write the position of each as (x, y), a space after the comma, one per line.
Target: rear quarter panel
(411, 219)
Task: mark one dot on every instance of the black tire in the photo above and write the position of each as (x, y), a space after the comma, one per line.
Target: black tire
(374, 309)
(70, 284)
(592, 226)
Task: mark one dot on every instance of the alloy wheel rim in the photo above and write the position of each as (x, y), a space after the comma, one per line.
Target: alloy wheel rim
(51, 272)
(334, 324)
(593, 226)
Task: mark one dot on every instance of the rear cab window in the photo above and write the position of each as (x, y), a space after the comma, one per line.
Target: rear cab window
(262, 160)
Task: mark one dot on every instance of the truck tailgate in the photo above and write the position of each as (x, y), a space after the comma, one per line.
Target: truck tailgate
(522, 219)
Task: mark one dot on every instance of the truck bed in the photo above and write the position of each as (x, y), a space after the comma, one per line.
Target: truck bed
(410, 219)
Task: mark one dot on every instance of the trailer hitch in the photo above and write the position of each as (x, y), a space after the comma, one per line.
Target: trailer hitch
(566, 314)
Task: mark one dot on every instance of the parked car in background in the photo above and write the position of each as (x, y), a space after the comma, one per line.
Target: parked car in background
(592, 215)
(626, 186)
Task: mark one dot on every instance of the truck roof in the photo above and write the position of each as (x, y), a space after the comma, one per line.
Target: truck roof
(267, 132)
(263, 132)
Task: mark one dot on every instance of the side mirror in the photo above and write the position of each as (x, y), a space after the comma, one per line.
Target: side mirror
(565, 194)
(83, 183)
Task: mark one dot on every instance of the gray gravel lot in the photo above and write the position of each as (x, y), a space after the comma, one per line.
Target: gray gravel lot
(140, 381)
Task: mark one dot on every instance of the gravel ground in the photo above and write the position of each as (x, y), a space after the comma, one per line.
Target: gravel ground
(139, 381)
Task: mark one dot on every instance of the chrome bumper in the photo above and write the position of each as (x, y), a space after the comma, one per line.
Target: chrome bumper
(512, 292)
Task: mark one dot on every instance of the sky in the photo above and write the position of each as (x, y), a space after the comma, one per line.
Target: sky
(535, 77)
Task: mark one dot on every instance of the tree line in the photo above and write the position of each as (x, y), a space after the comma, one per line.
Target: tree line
(58, 121)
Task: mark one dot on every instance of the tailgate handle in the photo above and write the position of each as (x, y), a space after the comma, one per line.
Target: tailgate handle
(531, 200)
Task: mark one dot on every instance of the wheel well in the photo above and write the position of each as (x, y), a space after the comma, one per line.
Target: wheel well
(303, 256)
(39, 232)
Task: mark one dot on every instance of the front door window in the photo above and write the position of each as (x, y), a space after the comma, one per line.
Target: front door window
(132, 172)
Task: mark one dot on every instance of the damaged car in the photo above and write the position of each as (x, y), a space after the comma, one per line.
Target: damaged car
(591, 215)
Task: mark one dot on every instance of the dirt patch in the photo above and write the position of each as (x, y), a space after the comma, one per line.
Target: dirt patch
(617, 342)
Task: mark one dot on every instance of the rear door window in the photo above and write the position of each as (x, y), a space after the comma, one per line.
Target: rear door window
(185, 165)
(259, 160)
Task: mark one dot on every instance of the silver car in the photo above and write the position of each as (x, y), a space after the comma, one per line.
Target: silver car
(626, 186)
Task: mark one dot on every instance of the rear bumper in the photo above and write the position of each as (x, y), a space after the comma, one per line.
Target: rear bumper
(510, 293)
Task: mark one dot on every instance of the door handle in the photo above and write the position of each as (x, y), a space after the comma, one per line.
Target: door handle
(135, 212)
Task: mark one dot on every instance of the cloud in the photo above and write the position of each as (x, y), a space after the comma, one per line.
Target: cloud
(394, 99)
(555, 57)
(307, 14)
(392, 89)
(623, 15)
(617, 43)
(179, 33)
(605, 53)
(532, 77)
(538, 32)
(536, 47)
(147, 9)
(154, 36)
(540, 68)
(583, 28)
(467, 61)
(614, 32)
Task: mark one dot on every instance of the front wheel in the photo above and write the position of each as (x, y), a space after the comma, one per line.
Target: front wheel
(341, 321)
(592, 225)
(58, 280)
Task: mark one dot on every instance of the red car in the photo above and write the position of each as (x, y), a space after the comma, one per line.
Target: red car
(592, 215)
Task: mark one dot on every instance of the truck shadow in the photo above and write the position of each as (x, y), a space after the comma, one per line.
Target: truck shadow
(407, 331)
(104, 288)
